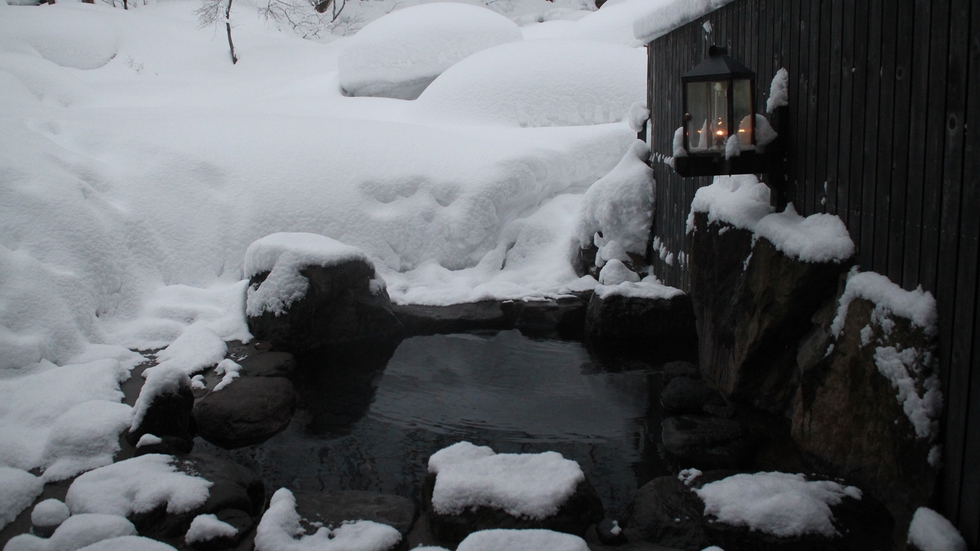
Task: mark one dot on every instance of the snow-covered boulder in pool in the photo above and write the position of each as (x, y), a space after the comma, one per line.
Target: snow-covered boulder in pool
(398, 55)
(540, 83)
(307, 291)
(470, 488)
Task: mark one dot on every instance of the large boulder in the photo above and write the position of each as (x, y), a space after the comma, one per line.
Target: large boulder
(248, 411)
(641, 316)
(470, 488)
(163, 413)
(761, 512)
(307, 292)
(753, 303)
(875, 365)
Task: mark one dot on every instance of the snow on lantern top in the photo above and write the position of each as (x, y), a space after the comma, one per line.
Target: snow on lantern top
(719, 114)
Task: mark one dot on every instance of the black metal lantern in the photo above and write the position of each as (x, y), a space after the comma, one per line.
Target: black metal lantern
(719, 131)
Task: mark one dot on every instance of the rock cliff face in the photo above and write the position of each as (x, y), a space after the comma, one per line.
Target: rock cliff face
(753, 304)
(869, 403)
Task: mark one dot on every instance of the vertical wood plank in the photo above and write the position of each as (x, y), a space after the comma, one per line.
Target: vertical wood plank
(813, 144)
(886, 137)
(872, 124)
(836, 25)
(952, 294)
(847, 72)
(918, 119)
(820, 43)
(859, 77)
(900, 143)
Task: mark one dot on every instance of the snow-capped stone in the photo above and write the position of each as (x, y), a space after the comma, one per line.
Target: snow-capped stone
(18, 489)
(930, 531)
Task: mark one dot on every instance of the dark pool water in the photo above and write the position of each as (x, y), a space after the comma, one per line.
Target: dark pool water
(370, 423)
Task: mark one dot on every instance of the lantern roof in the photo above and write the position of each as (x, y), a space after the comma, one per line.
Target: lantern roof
(718, 66)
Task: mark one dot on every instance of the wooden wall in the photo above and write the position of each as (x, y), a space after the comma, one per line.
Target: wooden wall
(884, 132)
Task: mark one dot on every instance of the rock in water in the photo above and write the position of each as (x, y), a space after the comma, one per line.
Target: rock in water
(309, 292)
(336, 507)
(661, 325)
(248, 411)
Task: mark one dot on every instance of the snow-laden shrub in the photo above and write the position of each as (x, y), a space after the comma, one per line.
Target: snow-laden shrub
(398, 55)
(617, 211)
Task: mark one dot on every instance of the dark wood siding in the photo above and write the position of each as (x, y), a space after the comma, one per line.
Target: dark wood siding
(883, 130)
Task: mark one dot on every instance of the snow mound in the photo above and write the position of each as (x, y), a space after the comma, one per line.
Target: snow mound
(778, 91)
(671, 14)
(398, 55)
(283, 255)
(743, 202)
(540, 83)
(619, 207)
(523, 485)
(280, 525)
(197, 347)
(615, 273)
(918, 306)
(50, 512)
(76, 37)
(614, 22)
(931, 531)
(522, 540)
(33, 407)
(781, 504)
(18, 489)
(77, 532)
(84, 437)
(207, 527)
(136, 485)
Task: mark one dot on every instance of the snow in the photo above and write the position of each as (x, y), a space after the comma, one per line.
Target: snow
(534, 83)
(18, 489)
(620, 206)
(638, 116)
(648, 288)
(521, 540)
(136, 485)
(284, 255)
(398, 55)
(687, 476)
(229, 371)
(678, 148)
(667, 15)
(77, 532)
(523, 485)
(733, 147)
(280, 526)
(781, 504)
(207, 527)
(128, 543)
(917, 306)
(149, 440)
(743, 202)
(615, 273)
(83, 438)
(778, 91)
(36, 405)
(923, 409)
(931, 531)
(50, 512)
(161, 380)
(198, 347)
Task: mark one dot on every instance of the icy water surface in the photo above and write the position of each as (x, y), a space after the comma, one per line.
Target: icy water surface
(367, 424)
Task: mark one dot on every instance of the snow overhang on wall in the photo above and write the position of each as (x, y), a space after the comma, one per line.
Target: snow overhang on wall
(670, 15)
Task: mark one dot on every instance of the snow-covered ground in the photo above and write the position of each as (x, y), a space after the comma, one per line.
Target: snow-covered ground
(137, 164)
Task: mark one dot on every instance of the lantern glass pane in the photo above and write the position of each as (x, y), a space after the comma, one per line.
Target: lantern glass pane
(743, 113)
(707, 102)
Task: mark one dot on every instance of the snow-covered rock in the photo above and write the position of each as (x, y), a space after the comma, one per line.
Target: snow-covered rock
(471, 488)
(398, 55)
(163, 409)
(307, 291)
(47, 516)
(930, 531)
(521, 540)
(281, 524)
(84, 437)
(76, 532)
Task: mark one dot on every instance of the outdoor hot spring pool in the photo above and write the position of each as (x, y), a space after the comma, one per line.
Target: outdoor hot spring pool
(367, 424)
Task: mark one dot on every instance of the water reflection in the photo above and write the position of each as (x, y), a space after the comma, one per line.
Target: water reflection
(368, 426)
